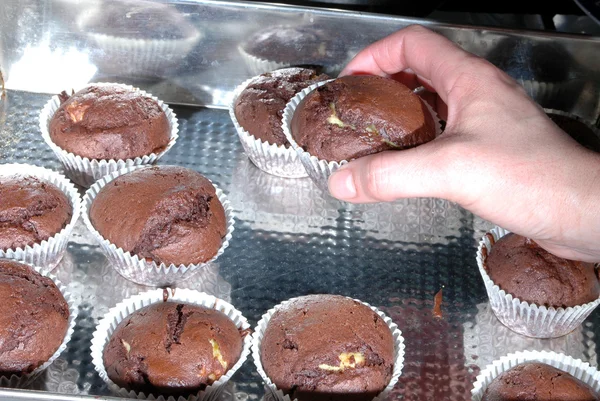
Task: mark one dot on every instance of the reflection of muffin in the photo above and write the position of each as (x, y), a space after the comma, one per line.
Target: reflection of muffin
(355, 116)
(172, 348)
(537, 381)
(109, 122)
(579, 130)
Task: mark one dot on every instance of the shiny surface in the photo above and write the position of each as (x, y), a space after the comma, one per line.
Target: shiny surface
(289, 241)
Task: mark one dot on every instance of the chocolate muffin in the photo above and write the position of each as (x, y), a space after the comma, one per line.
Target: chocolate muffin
(34, 318)
(536, 381)
(355, 116)
(172, 348)
(259, 107)
(31, 211)
(328, 347)
(165, 214)
(578, 130)
(526, 271)
(109, 122)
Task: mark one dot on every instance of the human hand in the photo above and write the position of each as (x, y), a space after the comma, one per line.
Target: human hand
(499, 157)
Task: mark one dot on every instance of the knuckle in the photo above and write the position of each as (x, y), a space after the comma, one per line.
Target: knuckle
(378, 179)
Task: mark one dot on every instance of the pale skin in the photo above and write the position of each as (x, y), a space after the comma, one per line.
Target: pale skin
(500, 157)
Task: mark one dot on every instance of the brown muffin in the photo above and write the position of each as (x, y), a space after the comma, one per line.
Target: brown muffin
(328, 347)
(528, 272)
(31, 211)
(109, 122)
(172, 348)
(34, 318)
(535, 381)
(167, 214)
(259, 107)
(578, 130)
(355, 116)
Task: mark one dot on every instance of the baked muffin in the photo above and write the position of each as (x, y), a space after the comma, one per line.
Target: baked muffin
(172, 348)
(328, 347)
(109, 122)
(34, 318)
(259, 107)
(165, 214)
(31, 211)
(526, 271)
(535, 381)
(355, 116)
(577, 129)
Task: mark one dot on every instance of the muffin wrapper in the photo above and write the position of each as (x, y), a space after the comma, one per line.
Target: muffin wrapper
(524, 318)
(48, 253)
(277, 394)
(84, 171)
(270, 158)
(139, 270)
(26, 379)
(579, 369)
(111, 320)
(320, 170)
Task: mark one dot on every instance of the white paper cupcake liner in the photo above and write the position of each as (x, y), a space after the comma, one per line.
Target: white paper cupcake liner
(580, 370)
(111, 320)
(48, 253)
(139, 270)
(270, 158)
(320, 170)
(84, 171)
(276, 394)
(26, 379)
(522, 317)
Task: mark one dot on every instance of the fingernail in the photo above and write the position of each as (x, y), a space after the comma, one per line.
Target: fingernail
(341, 184)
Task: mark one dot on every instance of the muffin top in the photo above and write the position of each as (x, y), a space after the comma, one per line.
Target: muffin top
(109, 122)
(359, 115)
(167, 214)
(172, 348)
(328, 347)
(526, 271)
(259, 107)
(31, 211)
(578, 130)
(34, 318)
(535, 381)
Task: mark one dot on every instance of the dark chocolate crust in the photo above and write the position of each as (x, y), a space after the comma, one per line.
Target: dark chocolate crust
(31, 211)
(328, 347)
(259, 107)
(172, 348)
(164, 213)
(109, 122)
(535, 381)
(34, 318)
(355, 116)
(578, 130)
(528, 272)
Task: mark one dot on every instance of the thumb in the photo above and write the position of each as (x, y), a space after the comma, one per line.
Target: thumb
(386, 176)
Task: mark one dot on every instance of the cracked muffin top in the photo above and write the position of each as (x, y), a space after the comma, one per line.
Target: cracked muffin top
(535, 381)
(519, 266)
(172, 348)
(34, 318)
(358, 115)
(165, 214)
(109, 122)
(328, 347)
(31, 211)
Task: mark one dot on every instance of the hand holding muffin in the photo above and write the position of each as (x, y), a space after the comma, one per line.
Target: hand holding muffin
(500, 156)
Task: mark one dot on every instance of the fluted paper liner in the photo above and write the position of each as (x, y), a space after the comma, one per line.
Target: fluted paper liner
(320, 170)
(111, 320)
(524, 318)
(277, 394)
(26, 379)
(48, 253)
(269, 157)
(84, 171)
(579, 369)
(138, 269)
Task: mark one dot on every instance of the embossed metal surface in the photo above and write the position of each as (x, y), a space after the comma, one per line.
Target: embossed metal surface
(290, 240)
